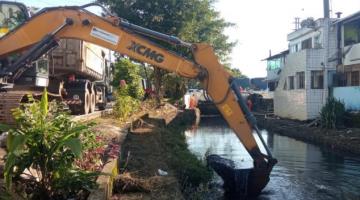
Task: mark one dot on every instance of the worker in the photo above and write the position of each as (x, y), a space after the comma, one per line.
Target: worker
(193, 102)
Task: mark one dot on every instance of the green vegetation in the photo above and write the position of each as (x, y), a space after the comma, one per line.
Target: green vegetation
(46, 144)
(130, 72)
(352, 120)
(192, 173)
(125, 105)
(127, 96)
(332, 114)
(175, 87)
(235, 72)
(194, 21)
(165, 148)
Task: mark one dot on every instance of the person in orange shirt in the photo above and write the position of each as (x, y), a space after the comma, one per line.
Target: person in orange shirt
(193, 101)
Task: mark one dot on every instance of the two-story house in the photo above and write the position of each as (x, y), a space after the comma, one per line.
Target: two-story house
(304, 80)
(347, 80)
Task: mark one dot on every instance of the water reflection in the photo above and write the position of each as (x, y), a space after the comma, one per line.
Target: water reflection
(304, 171)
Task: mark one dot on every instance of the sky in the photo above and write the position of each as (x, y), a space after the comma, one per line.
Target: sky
(260, 25)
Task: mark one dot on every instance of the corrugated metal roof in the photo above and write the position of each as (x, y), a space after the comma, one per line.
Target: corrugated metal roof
(276, 55)
(348, 18)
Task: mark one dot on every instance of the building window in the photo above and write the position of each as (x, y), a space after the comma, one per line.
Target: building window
(355, 78)
(351, 33)
(273, 64)
(291, 82)
(306, 44)
(300, 78)
(317, 42)
(317, 80)
(294, 48)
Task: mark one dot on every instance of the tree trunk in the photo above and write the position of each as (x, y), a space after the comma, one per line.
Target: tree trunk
(158, 93)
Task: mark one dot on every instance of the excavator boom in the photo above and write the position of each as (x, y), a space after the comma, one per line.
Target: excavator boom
(52, 24)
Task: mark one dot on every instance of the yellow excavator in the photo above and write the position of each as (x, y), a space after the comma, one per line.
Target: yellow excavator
(29, 38)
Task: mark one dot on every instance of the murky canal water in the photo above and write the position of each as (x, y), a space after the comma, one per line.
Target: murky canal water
(304, 171)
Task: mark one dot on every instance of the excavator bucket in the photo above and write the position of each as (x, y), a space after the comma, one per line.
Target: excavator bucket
(240, 183)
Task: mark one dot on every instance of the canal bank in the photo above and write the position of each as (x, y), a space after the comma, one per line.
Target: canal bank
(304, 171)
(345, 140)
(156, 162)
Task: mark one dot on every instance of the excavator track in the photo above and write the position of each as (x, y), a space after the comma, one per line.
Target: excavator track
(8, 101)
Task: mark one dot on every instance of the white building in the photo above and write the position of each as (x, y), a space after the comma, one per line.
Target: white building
(347, 88)
(275, 63)
(304, 80)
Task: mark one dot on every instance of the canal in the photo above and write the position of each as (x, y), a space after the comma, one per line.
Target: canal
(304, 171)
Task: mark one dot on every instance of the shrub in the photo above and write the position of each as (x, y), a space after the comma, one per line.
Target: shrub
(332, 114)
(47, 142)
(125, 105)
(130, 72)
(174, 86)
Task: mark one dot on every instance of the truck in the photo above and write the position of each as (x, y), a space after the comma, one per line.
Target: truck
(76, 72)
(82, 74)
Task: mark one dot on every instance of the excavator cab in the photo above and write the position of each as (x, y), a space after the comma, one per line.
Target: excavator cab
(12, 14)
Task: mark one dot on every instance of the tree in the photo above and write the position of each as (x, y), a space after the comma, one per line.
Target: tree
(190, 20)
(235, 72)
(129, 71)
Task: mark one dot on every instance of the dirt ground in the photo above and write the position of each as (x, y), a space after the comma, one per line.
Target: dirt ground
(143, 161)
(143, 164)
(144, 149)
(345, 140)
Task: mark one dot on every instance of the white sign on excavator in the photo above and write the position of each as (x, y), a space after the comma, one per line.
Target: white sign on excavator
(104, 35)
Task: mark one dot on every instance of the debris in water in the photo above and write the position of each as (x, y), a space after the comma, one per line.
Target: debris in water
(162, 172)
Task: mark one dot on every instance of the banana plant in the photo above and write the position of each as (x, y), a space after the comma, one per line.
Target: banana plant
(43, 147)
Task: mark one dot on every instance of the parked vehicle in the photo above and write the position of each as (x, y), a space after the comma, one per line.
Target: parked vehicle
(76, 72)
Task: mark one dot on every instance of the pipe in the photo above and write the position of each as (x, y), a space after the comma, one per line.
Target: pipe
(154, 34)
(326, 9)
(248, 114)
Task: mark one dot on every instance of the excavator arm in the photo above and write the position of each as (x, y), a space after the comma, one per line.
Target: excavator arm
(53, 24)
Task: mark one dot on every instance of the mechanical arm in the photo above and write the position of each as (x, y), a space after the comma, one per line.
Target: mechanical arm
(41, 32)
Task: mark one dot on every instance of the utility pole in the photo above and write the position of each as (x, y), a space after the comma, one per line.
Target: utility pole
(326, 40)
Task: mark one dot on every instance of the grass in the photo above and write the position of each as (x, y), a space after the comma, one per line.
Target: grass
(188, 168)
(192, 173)
(166, 149)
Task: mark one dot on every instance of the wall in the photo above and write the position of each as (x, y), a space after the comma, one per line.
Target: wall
(301, 104)
(291, 103)
(349, 95)
(315, 101)
(272, 75)
(315, 98)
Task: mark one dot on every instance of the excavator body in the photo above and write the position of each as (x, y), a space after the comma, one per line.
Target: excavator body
(40, 33)
(75, 72)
